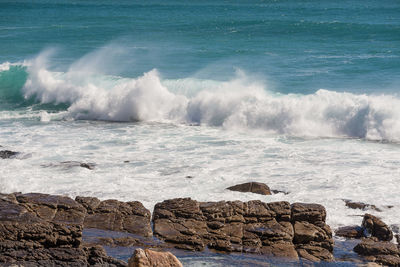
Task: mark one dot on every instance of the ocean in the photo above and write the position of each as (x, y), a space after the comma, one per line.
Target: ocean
(175, 99)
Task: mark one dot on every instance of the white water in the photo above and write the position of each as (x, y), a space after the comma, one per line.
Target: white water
(242, 103)
(316, 147)
(162, 155)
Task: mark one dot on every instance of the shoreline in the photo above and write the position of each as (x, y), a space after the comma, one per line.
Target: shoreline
(230, 231)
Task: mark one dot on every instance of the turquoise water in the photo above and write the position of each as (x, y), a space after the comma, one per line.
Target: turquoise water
(298, 46)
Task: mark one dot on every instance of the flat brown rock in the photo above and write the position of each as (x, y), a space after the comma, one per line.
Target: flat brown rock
(312, 213)
(45, 230)
(388, 260)
(382, 252)
(53, 208)
(114, 215)
(49, 221)
(253, 227)
(371, 247)
(253, 187)
(350, 231)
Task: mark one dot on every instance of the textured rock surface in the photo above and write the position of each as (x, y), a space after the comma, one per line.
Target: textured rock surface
(312, 236)
(377, 228)
(350, 231)
(114, 215)
(45, 230)
(383, 252)
(253, 187)
(254, 226)
(150, 258)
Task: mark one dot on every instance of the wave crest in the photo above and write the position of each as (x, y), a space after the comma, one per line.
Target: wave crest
(241, 103)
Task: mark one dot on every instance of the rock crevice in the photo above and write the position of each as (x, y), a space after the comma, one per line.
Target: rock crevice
(276, 228)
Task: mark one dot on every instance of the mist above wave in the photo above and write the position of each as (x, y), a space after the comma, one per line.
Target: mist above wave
(241, 103)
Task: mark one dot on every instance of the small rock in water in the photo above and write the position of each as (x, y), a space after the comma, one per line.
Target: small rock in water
(150, 258)
(279, 191)
(354, 231)
(6, 154)
(360, 205)
(89, 166)
(377, 228)
(189, 177)
(253, 187)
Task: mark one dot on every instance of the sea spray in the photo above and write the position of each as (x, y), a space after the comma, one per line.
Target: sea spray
(242, 103)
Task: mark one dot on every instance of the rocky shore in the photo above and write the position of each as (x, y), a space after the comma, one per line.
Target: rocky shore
(47, 230)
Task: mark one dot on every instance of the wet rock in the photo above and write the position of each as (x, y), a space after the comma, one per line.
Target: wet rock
(90, 203)
(7, 154)
(312, 213)
(253, 227)
(377, 228)
(312, 236)
(253, 187)
(20, 227)
(360, 205)
(89, 166)
(383, 252)
(350, 231)
(45, 230)
(306, 232)
(279, 191)
(65, 257)
(53, 208)
(114, 215)
(372, 247)
(388, 260)
(150, 258)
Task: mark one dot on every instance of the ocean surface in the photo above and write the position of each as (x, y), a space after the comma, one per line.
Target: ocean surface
(186, 98)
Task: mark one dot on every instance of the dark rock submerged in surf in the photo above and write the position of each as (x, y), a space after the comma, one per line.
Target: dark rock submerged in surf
(6, 154)
(253, 187)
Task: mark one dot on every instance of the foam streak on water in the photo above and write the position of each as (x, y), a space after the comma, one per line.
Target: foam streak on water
(149, 162)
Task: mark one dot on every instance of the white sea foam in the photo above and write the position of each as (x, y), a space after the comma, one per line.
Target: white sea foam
(5, 66)
(241, 103)
(149, 161)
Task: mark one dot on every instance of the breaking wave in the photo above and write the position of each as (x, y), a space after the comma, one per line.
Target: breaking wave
(242, 103)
